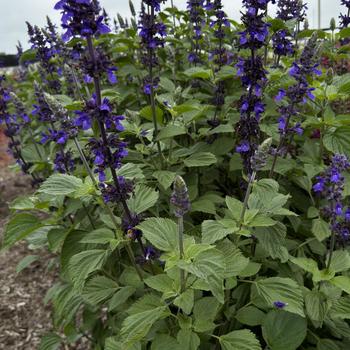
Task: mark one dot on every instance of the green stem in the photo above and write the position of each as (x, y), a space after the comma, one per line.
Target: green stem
(180, 224)
(246, 198)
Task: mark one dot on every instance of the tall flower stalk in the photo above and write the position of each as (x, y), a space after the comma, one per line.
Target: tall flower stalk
(295, 96)
(330, 186)
(253, 77)
(152, 33)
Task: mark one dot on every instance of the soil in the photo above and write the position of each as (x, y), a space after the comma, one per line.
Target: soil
(23, 316)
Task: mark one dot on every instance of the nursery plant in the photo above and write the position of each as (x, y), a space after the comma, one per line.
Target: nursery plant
(190, 175)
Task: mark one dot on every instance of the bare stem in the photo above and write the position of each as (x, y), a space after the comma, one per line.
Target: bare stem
(180, 225)
(246, 198)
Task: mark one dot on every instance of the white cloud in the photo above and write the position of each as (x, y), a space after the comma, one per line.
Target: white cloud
(15, 12)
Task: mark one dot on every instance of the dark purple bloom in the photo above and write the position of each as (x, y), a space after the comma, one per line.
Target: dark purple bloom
(81, 18)
(280, 304)
(282, 44)
(291, 9)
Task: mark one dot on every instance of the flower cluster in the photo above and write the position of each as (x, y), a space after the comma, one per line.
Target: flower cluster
(298, 93)
(291, 9)
(345, 18)
(330, 186)
(96, 68)
(152, 35)
(253, 77)
(44, 54)
(81, 18)
(282, 45)
(195, 9)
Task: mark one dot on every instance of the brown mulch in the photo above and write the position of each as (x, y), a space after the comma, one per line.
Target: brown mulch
(23, 316)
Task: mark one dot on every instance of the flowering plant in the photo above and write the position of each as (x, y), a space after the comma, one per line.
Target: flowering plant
(190, 176)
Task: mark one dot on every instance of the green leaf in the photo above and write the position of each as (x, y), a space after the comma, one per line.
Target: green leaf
(98, 290)
(147, 113)
(19, 227)
(200, 159)
(243, 339)
(120, 297)
(162, 233)
(164, 177)
(144, 198)
(83, 263)
(235, 207)
(341, 308)
(205, 311)
(50, 341)
(209, 266)
(272, 240)
(213, 231)
(142, 316)
(198, 72)
(327, 344)
(167, 84)
(285, 290)
(164, 341)
(283, 330)
(340, 261)
(234, 260)
(250, 315)
(25, 262)
(99, 236)
(131, 171)
(320, 229)
(27, 56)
(337, 140)
(188, 340)
(114, 343)
(185, 301)
(161, 283)
(342, 282)
(316, 305)
(60, 185)
(171, 131)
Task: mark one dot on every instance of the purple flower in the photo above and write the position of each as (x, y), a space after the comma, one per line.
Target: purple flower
(291, 9)
(280, 304)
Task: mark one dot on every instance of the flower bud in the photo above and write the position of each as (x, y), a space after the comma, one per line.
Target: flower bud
(180, 198)
(332, 25)
(306, 24)
(132, 8)
(259, 158)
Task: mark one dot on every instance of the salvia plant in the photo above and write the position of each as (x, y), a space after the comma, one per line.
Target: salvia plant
(190, 175)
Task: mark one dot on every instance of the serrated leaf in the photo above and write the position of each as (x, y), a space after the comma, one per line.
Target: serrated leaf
(120, 297)
(144, 198)
(25, 262)
(198, 72)
(234, 260)
(162, 233)
(114, 343)
(340, 261)
(250, 315)
(188, 340)
(164, 341)
(205, 311)
(185, 301)
(272, 240)
(164, 177)
(320, 229)
(200, 159)
(171, 131)
(83, 263)
(131, 171)
(161, 283)
(342, 282)
(341, 308)
(243, 339)
(280, 289)
(60, 185)
(235, 207)
(99, 236)
(147, 113)
(98, 290)
(19, 227)
(337, 140)
(213, 230)
(136, 326)
(283, 330)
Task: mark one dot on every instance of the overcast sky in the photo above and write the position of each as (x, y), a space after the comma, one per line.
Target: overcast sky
(14, 13)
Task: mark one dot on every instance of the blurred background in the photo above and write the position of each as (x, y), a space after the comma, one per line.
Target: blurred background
(15, 12)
